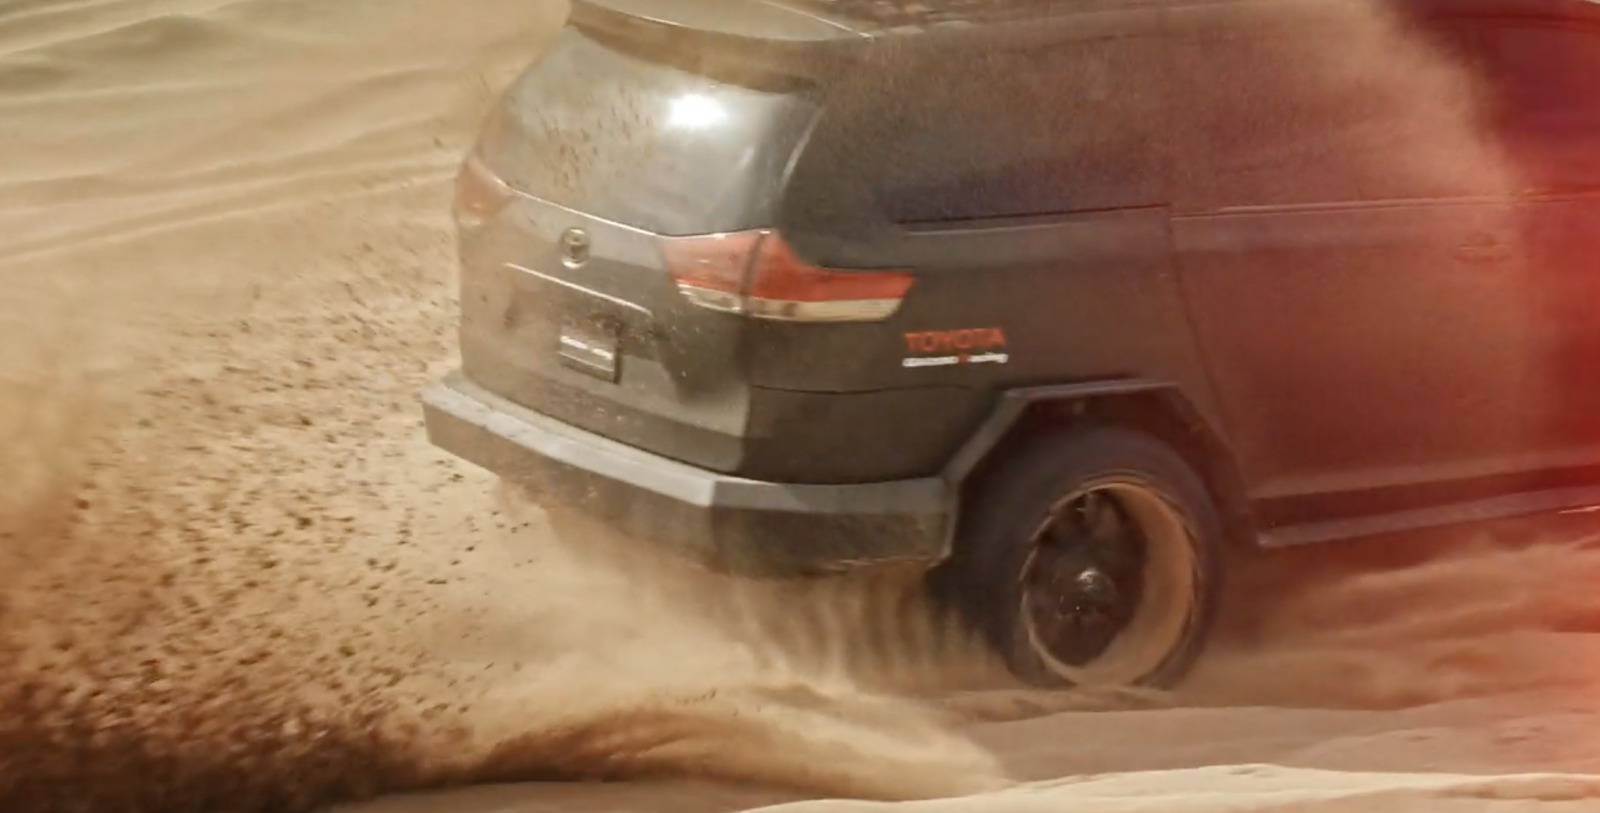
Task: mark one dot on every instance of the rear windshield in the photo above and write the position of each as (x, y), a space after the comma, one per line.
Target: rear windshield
(650, 139)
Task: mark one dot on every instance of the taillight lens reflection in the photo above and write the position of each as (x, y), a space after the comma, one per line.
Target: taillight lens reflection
(757, 274)
(480, 194)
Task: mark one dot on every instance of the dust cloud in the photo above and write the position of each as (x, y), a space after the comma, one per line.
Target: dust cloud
(226, 592)
(1404, 622)
(236, 577)
(235, 574)
(214, 605)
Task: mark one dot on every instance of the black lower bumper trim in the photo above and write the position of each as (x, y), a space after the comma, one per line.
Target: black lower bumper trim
(740, 524)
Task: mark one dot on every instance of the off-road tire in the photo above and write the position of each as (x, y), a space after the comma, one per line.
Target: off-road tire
(981, 581)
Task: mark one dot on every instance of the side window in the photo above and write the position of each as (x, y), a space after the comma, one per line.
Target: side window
(1334, 106)
(1546, 80)
(1068, 128)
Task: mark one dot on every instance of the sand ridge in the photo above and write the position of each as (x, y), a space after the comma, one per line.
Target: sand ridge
(235, 576)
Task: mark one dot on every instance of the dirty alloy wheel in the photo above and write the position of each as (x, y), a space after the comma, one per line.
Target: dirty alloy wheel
(1091, 558)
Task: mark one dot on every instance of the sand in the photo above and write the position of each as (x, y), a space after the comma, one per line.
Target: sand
(236, 577)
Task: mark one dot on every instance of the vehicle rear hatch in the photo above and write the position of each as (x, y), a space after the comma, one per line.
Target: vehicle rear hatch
(613, 221)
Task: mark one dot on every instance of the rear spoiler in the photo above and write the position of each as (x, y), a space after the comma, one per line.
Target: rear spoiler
(748, 30)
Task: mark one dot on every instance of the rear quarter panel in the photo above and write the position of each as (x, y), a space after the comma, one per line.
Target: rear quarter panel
(1079, 287)
(1078, 298)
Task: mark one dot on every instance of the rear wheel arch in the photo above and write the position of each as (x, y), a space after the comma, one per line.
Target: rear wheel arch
(1158, 409)
(1035, 570)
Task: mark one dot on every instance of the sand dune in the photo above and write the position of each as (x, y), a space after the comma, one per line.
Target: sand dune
(1263, 788)
(236, 577)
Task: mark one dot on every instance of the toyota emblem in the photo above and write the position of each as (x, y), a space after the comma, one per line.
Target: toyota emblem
(574, 247)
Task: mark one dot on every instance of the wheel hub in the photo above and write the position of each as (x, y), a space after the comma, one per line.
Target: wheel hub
(1084, 578)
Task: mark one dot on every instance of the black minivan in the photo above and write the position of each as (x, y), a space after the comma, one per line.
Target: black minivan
(1059, 299)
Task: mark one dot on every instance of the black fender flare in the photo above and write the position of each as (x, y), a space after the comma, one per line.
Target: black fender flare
(1012, 405)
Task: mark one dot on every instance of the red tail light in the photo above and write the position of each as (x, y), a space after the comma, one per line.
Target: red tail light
(480, 194)
(756, 273)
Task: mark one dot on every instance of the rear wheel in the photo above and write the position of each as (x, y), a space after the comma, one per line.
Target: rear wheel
(1091, 558)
